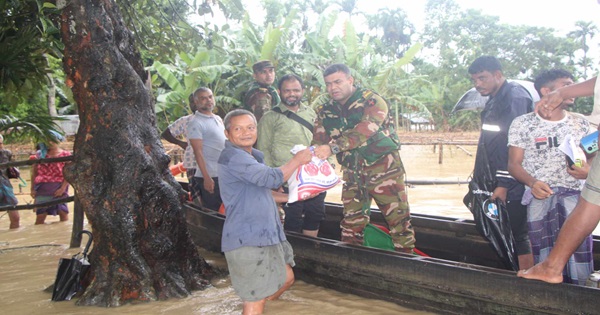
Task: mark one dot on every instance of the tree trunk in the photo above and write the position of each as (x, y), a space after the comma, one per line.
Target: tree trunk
(142, 249)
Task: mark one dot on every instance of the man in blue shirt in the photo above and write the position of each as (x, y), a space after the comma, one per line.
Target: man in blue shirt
(259, 258)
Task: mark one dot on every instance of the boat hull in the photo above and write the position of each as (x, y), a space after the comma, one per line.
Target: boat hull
(432, 284)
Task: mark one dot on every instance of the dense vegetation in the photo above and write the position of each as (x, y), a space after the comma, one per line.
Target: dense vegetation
(186, 45)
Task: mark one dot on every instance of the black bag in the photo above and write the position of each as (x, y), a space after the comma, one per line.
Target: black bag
(13, 172)
(71, 272)
(491, 217)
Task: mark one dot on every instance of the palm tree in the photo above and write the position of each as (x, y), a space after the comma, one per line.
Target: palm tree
(396, 30)
(585, 31)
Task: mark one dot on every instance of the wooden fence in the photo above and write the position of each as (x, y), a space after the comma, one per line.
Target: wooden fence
(77, 209)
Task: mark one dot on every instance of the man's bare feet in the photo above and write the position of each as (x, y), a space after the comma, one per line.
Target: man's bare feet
(541, 272)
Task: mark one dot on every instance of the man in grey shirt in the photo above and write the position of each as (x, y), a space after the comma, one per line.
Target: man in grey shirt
(207, 138)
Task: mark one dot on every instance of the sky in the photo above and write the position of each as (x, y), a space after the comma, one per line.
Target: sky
(557, 14)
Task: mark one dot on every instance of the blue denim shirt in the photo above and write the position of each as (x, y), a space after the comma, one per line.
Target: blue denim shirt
(246, 184)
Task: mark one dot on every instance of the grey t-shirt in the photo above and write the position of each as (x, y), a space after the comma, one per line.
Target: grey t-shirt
(209, 129)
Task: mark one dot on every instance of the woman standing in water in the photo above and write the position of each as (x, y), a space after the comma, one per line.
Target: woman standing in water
(7, 196)
(48, 181)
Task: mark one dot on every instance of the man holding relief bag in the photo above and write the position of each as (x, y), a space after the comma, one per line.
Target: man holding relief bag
(355, 126)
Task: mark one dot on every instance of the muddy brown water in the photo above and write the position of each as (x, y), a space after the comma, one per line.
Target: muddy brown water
(29, 255)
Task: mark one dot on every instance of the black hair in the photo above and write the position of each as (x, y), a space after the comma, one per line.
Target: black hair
(548, 76)
(336, 67)
(289, 77)
(485, 63)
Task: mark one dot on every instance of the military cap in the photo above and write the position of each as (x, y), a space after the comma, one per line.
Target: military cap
(260, 65)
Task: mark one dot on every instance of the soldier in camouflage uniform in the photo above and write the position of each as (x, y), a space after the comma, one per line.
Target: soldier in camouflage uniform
(261, 96)
(355, 125)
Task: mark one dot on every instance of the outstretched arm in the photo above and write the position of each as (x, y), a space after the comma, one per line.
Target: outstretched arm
(552, 101)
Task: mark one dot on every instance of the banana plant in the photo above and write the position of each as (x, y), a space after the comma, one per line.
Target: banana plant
(176, 82)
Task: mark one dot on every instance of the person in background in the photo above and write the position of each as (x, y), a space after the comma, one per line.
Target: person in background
(259, 257)
(586, 215)
(205, 132)
(553, 186)
(507, 100)
(179, 128)
(7, 196)
(355, 125)
(278, 132)
(48, 182)
(261, 96)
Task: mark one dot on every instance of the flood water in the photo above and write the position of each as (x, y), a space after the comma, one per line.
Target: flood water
(29, 255)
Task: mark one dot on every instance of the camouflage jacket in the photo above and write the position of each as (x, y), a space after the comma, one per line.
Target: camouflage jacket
(361, 128)
(260, 99)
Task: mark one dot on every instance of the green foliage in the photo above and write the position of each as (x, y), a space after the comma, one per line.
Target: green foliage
(28, 33)
(186, 49)
(35, 127)
(178, 81)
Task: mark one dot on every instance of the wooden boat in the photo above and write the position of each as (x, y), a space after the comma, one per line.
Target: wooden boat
(462, 276)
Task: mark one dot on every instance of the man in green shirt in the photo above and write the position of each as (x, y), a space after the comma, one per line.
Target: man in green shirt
(278, 132)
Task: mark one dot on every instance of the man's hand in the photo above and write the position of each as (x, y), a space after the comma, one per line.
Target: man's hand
(541, 190)
(323, 151)
(303, 157)
(549, 103)
(209, 185)
(499, 193)
(579, 172)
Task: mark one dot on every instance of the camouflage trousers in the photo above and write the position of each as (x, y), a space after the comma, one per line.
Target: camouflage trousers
(383, 182)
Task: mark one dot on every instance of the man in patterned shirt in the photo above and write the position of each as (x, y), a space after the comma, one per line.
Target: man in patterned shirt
(179, 128)
(355, 126)
(553, 186)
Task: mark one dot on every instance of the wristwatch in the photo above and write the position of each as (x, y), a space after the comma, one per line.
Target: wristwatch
(334, 148)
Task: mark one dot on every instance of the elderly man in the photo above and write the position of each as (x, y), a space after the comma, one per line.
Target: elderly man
(259, 258)
(261, 96)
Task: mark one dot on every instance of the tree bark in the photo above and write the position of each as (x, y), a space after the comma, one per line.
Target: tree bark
(142, 249)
